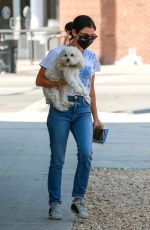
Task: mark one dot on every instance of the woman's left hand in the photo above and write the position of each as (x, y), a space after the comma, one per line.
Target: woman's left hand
(98, 123)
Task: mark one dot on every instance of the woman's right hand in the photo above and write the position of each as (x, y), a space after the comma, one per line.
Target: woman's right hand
(63, 82)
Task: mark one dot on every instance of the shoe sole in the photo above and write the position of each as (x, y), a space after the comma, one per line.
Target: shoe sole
(54, 217)
(78, 215)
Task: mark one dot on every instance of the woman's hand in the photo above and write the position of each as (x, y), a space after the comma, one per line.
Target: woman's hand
(98, 123)
(63, 82)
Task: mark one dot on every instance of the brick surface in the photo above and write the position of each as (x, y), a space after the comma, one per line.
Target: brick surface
(120, 25)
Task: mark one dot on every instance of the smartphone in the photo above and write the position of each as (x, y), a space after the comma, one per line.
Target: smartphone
(100, 135)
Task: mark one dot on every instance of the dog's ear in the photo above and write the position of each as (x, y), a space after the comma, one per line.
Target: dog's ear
(59, 63)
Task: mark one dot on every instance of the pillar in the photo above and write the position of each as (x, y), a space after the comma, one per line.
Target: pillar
(37, 13)
(16, 15)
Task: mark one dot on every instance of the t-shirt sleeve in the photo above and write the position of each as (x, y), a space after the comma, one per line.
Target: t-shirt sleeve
(49, 60)
(97, 66)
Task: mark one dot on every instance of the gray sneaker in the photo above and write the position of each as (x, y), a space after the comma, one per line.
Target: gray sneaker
(55, 211)
(79, 209)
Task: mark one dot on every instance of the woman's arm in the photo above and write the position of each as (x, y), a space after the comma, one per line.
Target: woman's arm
(42, 81)
(96, 120)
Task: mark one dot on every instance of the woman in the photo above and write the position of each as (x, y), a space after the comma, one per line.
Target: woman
(77, 119)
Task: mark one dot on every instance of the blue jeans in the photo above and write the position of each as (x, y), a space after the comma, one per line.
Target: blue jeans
(77, 119)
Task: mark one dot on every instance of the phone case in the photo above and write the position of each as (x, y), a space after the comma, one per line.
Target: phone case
(100, 135)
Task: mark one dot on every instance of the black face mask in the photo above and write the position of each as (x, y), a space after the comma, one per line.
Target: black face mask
(86, 40)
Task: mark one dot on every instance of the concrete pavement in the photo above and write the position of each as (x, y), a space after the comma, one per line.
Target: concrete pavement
(24, 160)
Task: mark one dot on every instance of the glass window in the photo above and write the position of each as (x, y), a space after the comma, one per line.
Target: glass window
(52, 9)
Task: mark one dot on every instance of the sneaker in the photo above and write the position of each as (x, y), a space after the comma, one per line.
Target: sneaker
(79, 209)
(55, 211)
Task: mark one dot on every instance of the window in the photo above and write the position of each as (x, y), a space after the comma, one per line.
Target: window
(52, 9)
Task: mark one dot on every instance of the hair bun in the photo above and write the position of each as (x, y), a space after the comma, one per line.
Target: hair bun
(69, 26)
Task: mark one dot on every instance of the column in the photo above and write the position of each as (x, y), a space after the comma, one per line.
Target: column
(37, 13)
(16, 15)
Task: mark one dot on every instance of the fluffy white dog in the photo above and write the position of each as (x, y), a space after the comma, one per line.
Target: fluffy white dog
(67, 66)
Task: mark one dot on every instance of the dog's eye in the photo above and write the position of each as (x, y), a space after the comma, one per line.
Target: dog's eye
(72, 55)
(65, 55)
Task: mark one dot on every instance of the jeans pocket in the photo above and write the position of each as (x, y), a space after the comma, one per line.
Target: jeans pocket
(84, 107)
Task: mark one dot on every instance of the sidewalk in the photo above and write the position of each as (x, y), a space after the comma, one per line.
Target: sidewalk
(24, 67)
(24, 161)
(25, 156)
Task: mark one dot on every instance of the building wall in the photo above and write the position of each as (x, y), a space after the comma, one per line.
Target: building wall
(133, 28)
(121, 24)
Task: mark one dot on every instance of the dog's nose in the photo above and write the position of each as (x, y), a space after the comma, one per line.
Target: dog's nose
(68, 60)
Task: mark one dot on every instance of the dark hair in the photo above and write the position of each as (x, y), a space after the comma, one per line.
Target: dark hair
(79, 23)
(68, 27)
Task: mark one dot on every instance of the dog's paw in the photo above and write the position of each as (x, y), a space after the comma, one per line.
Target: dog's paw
(48, 101)
(71, 104)
(68, 103)
(63, 108)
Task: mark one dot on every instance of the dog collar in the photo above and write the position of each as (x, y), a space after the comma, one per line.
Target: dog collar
(72, 66)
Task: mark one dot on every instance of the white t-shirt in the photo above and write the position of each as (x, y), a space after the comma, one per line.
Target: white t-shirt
(91, 65)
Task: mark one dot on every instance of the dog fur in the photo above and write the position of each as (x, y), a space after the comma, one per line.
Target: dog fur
(67, 66)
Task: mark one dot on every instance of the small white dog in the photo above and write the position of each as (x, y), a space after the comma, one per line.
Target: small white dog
(67, 66)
